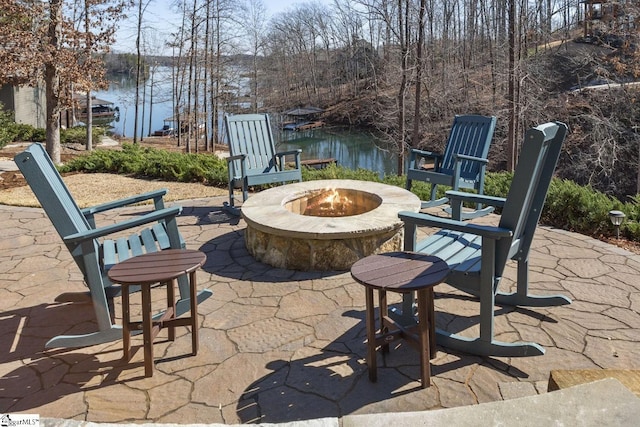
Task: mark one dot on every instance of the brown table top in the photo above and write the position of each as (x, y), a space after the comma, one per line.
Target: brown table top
(156, 266)
(400, 271)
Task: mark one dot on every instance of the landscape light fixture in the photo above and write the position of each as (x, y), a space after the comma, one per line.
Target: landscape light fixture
(616, 218)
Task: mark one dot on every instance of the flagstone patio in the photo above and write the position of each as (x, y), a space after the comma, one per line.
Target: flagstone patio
(279, 345)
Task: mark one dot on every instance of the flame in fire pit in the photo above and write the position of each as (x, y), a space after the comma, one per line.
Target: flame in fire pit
(333, 202)
(329, 202)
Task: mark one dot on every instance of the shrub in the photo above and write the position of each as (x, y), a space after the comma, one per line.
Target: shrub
(498, 183)
(7, 127)
(334, 171)
(577, 208)
(11, 131)
(153, 163)
(78, 135)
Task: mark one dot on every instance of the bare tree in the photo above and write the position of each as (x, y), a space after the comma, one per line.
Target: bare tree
(418, 85)
(254, 25)
(142, 6)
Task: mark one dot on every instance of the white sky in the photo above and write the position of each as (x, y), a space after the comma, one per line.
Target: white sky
(161, 15)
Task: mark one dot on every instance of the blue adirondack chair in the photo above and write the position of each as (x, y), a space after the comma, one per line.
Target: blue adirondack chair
(477, 255)
(461, 166)
(253, 159)
(92, 251)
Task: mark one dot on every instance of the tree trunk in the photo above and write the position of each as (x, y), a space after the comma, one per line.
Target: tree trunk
(52, 81)
(138, 71)
(416, 114)
(403, 28)
(89, 122)
(87, 29)
(511, 96)
(153, 70)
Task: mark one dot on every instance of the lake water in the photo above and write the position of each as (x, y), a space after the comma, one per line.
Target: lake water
(352, 149)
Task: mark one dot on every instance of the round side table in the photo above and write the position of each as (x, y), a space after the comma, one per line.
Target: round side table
(401, 272)
(162, 267)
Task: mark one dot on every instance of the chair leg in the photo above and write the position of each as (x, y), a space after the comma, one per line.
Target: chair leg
(245, 190)
(229, 206)
(232, 198)
(486, 345)
(522, 297)
(434, 191)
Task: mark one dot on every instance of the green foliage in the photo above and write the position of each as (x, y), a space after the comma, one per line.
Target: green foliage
(29, 133)
(333, 171)
(578, 208)
(631, 226)
(153, 163)
(497, 184)
(11, 131)
(78, 135)
(6, 128)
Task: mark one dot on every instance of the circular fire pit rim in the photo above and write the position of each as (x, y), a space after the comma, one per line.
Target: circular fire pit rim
(265, 211)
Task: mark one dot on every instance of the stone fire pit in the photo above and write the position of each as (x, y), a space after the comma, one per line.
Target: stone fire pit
(325, 225)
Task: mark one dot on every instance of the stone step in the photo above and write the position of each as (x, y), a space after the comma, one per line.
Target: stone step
(563, 378)
(601, 403)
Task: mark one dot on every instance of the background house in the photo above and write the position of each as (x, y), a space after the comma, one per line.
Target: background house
(26, 102)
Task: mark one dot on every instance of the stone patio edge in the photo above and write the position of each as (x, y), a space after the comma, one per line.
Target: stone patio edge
(603, 402)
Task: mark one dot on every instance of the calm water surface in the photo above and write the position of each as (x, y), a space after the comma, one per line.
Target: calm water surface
(352, 149)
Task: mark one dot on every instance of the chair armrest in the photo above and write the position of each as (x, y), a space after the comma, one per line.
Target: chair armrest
(423, 153)
(281, 158)
(457, 165)
(470, 158)
(288, 153)
(415, 153)
(157, 194)
(236, 157)
(154, 216)
(462, 196)
(457, 198)
(426, 220)
(232, 168)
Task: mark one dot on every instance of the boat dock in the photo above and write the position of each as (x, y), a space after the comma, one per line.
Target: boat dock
(319, 163)
(302, 125)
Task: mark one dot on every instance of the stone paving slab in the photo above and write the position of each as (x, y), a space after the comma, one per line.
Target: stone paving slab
(279, 346)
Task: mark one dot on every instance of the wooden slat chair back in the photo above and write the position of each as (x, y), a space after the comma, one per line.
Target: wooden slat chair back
(93, 248)
(477, 255)
(253, 159)
(463, 163)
